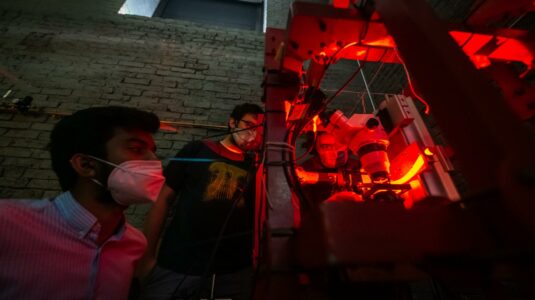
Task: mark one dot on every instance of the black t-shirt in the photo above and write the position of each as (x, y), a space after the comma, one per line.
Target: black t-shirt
(206, 191)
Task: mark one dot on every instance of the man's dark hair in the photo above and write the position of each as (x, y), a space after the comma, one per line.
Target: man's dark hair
(87, 131)
(311, 139)
(247, 108)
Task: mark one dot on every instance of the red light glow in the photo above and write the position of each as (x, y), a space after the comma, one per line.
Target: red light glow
(167, 127)
(416, 168)
(480, 61)
(505, 48)
(287, 108)
(361, 53)
(387, 42)
(341, 3)
(513, 48)
(415, 194)
(407, 164)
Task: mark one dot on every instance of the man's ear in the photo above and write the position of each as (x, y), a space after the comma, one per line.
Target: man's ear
(232, 123)
(83, 165)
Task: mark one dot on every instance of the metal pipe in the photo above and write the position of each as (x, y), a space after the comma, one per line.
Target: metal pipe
(56, 113)
(366, 85)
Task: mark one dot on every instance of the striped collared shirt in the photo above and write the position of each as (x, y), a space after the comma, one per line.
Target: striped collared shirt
(48, 250)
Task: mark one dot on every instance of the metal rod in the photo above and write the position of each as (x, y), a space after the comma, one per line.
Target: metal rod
(58, 113)
(366, 85)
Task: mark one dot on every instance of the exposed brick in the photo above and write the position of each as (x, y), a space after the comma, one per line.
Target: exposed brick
(30, 118)
(43, 184)
(131, 64)
(25, 143)
(39, 174)
(195, 117)
(14, 182)
(192, 84)
(15, 152)
(11, 172)
(180, 70)
(132, 92)
(60, 92)
(162, 144)
(4, 141)
(12, 124)
(137, 81)
(9, 192)
(17, 133)
(6, 116)
(113, 97)
(228, 96)
(202, 103)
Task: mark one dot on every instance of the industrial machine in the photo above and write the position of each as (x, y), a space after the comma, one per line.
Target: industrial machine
(401, 218)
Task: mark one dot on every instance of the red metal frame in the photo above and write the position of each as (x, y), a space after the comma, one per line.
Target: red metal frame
(493, 145)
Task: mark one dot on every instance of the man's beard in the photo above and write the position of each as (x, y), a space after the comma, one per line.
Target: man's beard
(104, 196)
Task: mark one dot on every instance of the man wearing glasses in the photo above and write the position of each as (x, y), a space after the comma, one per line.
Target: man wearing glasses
(206, 249)
(328, 156)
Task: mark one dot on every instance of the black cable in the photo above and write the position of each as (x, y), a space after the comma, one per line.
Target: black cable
(290, 172)
(309, 149)
(205, 274)
(226, 132)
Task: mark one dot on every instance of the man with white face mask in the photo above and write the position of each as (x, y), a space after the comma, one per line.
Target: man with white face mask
(77, 245)
(206, 249)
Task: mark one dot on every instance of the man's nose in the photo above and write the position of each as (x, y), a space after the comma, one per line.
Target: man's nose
(151, 156)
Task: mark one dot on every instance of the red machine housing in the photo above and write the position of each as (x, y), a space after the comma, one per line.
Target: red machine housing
(486, 129)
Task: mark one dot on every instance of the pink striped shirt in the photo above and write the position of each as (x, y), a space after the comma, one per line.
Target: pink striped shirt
(48, 250)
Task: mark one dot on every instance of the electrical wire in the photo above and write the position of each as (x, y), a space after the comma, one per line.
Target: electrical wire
(310, 147)
(347, 82)
(411, 85)
(370, 83)
(290, 172)
(238, 130)
(216, 247)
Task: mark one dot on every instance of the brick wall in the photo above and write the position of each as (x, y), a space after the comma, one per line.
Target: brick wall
(181, 71)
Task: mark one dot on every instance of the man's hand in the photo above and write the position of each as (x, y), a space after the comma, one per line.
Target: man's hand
(153, 229)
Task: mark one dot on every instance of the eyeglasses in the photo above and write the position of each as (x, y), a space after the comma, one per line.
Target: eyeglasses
(331, 147)
(251, 126)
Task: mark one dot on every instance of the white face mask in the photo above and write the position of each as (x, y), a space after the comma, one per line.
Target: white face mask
(134, 181)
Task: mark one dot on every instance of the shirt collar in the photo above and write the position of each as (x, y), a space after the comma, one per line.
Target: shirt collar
(80, 218)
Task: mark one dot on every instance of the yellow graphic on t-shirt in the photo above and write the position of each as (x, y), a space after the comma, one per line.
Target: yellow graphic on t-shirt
(225, 182)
